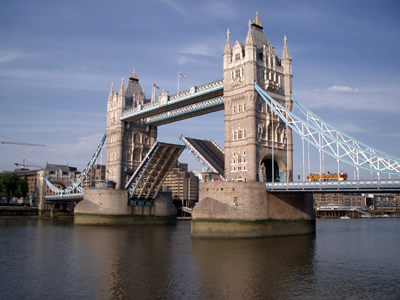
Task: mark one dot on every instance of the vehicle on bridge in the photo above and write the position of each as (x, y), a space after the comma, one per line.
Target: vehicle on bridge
(326, 176)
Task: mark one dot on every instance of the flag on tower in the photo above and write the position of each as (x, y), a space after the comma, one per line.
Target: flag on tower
(182, 75)
(155, 85)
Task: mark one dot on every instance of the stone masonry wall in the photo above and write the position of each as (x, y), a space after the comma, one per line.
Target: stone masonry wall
(249, 201)
(227, 200)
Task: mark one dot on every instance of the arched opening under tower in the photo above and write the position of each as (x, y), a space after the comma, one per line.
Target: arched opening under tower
(278, 174)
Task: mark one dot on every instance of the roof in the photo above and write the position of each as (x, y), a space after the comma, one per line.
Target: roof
(51, 167)
(133, 87)
(259, 37)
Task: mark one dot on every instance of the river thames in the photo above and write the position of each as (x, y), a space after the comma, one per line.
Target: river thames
(53, 259)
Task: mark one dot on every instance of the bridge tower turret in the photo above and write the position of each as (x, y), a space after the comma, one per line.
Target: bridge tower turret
(127, 142)
(258, 146)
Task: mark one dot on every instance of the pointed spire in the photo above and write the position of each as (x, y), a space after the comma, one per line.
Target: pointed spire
(285, 53)
(228, 46)
(134, 76)
(256, 21)
(110, 97)
(122, 90)
(154, 96)
(250, 38)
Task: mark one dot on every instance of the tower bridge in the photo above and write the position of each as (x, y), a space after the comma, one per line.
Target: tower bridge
(253, 200)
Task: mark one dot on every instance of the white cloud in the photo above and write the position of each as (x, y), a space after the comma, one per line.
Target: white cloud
(220, 9)
(200, 49)
(174, 6)
(181, 59)
(392, 134)
(6, 57)
(84, 147)
(58, 79)
(341, 89)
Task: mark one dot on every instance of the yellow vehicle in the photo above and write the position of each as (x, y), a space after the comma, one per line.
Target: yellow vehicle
(326, 176)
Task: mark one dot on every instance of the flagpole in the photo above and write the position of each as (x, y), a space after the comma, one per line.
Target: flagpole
(178, 83)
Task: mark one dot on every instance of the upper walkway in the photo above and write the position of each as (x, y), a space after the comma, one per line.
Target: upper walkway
(196, 101)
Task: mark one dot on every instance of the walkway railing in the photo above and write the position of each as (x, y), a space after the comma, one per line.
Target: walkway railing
(193, 92)
(335, 186)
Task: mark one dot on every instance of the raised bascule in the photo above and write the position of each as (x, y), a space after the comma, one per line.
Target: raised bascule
(256, 195)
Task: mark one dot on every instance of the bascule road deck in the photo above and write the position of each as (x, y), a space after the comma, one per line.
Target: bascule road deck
(147, 181)
(208, 151)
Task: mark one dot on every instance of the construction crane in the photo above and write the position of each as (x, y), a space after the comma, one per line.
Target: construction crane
(22, 143)
(16, 142)
(23, 165)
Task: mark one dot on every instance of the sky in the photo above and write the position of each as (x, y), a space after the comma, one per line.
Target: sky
(58, 60)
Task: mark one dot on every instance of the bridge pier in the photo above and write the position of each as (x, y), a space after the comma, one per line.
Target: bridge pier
(246, 210)
(110, 207)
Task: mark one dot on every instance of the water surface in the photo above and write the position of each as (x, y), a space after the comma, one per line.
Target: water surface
(53, 259)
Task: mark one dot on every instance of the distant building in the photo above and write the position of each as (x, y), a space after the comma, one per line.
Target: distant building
(95, 177)
(345, 199)
(386, 203)
(183, 184)
(199, 175)
(380, 203)
(354, 199)
(59, 175)
(323, 199)
(30, 176)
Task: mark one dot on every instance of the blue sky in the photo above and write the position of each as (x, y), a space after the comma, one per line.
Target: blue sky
(59, 58)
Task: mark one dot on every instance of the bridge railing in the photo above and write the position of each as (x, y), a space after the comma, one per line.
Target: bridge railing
(187, 94)
(204, 88)
(338, 185)
(179, 112)
(141, 108)
(64, 197)
(187, 209)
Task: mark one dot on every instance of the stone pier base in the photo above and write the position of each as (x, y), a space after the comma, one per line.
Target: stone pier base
(245, 210)
(110, 207)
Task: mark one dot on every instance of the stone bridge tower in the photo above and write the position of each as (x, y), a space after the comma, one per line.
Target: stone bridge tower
(254, 137)
(127, 142)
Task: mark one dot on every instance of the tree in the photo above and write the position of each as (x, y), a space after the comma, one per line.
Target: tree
(13, 186)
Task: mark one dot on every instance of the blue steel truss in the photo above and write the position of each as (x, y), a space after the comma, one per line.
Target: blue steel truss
(332, 141)
(213, 104)
(179, 100)
(75, 186)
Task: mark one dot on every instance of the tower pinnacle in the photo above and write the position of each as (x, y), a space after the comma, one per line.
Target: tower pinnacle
(250, 38)
(111, 92)
(228, 46)
(122, 90)
(285, 53)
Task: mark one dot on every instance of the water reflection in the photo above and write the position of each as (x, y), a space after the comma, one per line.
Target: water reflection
(165, 263)
(268, 268)
(55, 259)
